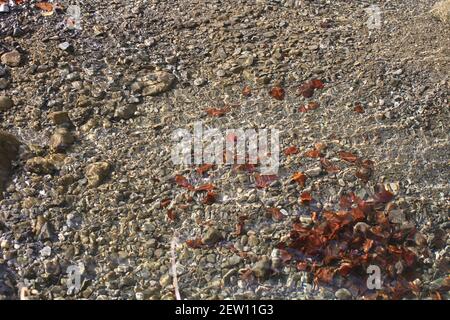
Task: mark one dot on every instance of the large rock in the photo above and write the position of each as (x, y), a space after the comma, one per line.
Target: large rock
(97, 172)
(9, 149)
(6, 103)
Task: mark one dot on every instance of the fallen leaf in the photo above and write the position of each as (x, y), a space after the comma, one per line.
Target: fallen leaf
(277, 93)
(275, 214)
(44, 6)
(300, 178)
(210, 198)
(358, 108)
(347, 156)
(291, 150)
(263, 181)
(328, 166)
(183, 182)
(306, 90)
(305, 197)
(312, 105)
(313, 153)
(204, 168)
(216, 112)
(171, 214)
(205, 187)
(317, 84)
(195, 243)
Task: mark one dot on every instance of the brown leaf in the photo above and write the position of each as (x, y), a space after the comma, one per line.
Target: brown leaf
(216, 112)
(277, 93)
(313, 153)
(291, 150)
(195, 243)
(306, 90)
(312, 105)
(305, 197)
(183, 182)
(328, 166)
(44, 6)
(171, 214)
(275, 213)
(205, 187)
(204, 168)
(210, 198)
(300, 178)
(263, 181)
(358, 108)
(317, 84)
(347, 156)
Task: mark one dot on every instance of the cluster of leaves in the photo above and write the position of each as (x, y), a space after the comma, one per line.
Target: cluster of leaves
(344, 243)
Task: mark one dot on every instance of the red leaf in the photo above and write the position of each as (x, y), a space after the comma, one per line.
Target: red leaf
(306, 90)
(383, 196)
(328, 166)
(300, 178)
(291, 150)
(204, 168)
(171, 214)
(165, 203)
(205, 187)
(239, 228)
(285, 256)
(210, 198)
(358, 214)
(358, 108)
(347, 156)
(216, 112)
(275, 213)
(277, 93)
(324, 275)
(44, 6)
(313, 153)
(195, 243)
(305, 197)
(302, 266)
(317, 84)
(263, 181)
(182, 182)
(345, 268)
(312, 105)
(367, 245)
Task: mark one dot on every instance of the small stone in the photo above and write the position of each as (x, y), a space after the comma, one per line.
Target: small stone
(199, 82)
(3, 83)
(39, 165)
(125, 112)
(97, 172)
(61, 140)
(221, 73)
(9, 149)
(343, 294)
(262, 268)
(65, 46)
(59, 117)
(160, 82)
(4, 8)
(6, 103)
(165, 280)
(212, 236)
(12, 58)
(314, 172)
(46, 251)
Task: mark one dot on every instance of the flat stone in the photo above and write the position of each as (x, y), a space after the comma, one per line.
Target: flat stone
(6, 103)
(12, 58)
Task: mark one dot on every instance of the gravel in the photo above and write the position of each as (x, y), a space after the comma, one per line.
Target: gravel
(91, 184)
